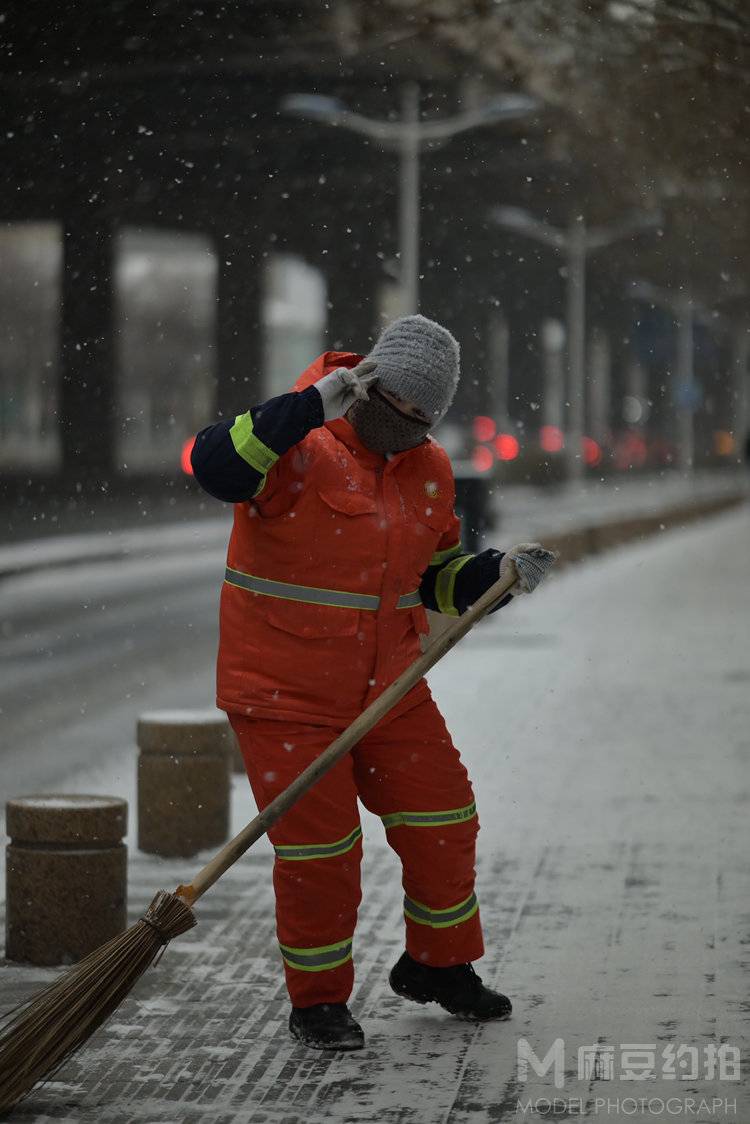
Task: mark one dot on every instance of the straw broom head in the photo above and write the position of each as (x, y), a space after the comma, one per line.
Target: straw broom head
(39, 1036)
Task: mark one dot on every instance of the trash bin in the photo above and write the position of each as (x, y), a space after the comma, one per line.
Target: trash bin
(472, 504)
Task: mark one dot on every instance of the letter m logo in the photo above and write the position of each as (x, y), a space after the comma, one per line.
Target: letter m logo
(554, 1060)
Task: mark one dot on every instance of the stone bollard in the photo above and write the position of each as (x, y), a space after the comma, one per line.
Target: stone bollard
(66, 876)
(183, 781)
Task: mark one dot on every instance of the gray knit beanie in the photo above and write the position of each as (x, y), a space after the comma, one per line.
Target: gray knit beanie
(418, 360)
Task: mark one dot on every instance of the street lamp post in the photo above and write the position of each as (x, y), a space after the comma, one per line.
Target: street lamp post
(683, 391)
(407, 136)
(408, 201)
(576, 317)
(576, 243)
(686, 389)
(740, 388)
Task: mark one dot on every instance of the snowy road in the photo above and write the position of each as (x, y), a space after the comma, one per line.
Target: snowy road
(87, 648)
(606, 725)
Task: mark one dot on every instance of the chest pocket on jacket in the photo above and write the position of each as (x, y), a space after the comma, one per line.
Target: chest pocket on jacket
(342, 540)
(345, 502)
(318, 619)
(428, 523)
(431, 513)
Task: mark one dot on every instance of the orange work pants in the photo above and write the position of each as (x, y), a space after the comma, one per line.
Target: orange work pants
(408, 772)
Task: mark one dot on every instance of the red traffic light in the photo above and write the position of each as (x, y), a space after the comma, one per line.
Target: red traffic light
(506, 447)
(187, 449)
(592, 452)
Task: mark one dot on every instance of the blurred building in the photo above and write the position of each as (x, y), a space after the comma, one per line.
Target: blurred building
(175, 247)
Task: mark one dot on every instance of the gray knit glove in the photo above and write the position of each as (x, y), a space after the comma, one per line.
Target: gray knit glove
(532, 562)
(343, 387)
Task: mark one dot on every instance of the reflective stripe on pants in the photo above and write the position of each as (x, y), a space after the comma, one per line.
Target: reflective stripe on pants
(298, 851)
(317, 959)
(440, 918)
(429, 819)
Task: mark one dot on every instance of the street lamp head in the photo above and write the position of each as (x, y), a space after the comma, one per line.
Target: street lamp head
(514, 218)
(522, 222)
(505, 107)
(317, 107)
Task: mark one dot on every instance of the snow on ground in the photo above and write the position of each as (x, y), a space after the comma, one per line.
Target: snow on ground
(605, 723)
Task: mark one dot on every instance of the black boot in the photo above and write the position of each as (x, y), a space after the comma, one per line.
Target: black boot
(458, 990)
(326, 1026)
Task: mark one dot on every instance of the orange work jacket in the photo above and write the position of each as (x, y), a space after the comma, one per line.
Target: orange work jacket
(320, 609)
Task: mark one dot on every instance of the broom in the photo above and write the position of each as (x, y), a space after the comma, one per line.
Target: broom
(40, 1035)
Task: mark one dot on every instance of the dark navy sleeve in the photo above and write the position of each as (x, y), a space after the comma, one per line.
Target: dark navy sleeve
(229, 458)
(472, 580)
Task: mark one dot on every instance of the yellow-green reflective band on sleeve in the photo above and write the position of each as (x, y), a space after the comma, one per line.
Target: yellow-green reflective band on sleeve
(317, 959)
(429, 819)
(298, 851)
(440, 918)
(440, 557)
(446, 582)
(249, 447)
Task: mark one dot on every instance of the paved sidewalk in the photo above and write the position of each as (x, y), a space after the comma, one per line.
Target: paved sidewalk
(605, 722)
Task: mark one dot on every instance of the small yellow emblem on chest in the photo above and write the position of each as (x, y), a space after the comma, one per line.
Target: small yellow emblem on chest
(431, 489)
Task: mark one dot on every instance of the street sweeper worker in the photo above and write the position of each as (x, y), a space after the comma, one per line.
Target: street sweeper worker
(344, 531)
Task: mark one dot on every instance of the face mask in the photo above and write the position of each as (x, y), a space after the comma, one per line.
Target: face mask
(383, 428)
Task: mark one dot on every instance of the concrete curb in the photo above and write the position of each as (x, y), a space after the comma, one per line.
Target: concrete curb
(574, 546)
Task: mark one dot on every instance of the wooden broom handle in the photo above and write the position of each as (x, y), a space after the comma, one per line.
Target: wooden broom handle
(361, 725)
